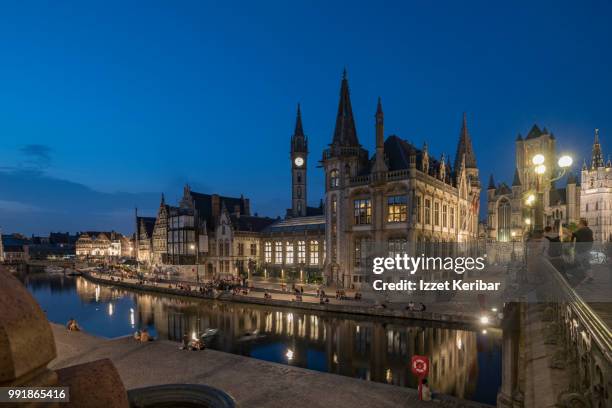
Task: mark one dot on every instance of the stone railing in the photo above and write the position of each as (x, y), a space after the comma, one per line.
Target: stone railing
(583, 341)
(359, 180)
(397, 175)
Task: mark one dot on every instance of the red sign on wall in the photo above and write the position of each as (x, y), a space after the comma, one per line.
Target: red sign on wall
(420, 366)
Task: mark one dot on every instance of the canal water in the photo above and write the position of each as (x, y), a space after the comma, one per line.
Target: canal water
(464, 363)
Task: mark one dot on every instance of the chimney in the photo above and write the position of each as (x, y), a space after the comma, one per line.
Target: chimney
(246, 203)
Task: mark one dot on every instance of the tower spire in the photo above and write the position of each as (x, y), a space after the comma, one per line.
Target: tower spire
(464, 147)
(491, 182)
(380, 165)
(345, 133)
(597, 159)
(299, 130)
(517, 179)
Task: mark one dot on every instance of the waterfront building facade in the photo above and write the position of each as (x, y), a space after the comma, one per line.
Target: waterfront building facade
(106, 246)
(400, 200)
(596, 193)
(143, 238)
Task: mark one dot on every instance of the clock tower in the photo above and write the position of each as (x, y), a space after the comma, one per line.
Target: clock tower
(299, 154)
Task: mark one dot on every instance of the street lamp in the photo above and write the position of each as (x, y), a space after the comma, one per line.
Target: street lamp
(193, 247)
(538, 160)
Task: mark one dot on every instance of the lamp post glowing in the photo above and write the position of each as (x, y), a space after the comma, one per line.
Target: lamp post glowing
(538, 159)
(540, 170)
(565, 161)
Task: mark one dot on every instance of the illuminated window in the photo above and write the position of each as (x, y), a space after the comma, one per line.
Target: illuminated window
(301, 252)
(278, 252)
(268, 252)
(334, 206)
(289, 253)
(363, 211)
(444, 215)
(397, 208)
(314, 252)
(334, 180)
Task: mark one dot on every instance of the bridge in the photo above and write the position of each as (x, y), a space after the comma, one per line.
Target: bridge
(557, 343)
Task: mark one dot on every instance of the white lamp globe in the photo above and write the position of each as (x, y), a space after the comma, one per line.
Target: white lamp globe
(565, 161)
(538, 159)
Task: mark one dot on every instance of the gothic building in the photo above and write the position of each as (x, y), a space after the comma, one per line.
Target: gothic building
(399, 198)
(596, 193)
(509, 217)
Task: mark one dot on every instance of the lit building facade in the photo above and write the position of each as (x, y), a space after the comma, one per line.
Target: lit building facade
(596, 193)
(100, 245)
(398, 201)
(509, 217)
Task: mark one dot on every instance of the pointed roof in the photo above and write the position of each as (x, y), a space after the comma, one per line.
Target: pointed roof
(298, 140)
(517, 180)
(345, 133)
(534, 132)
(299, 130)
(464, 147)
(597, 159)
(379, 110)
(519, 137)
(491, 182)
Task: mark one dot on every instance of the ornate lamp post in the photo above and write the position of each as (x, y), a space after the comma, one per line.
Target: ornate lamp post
(538, 160)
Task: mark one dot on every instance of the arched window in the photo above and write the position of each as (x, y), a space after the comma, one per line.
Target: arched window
(503, 221)
(334, 180)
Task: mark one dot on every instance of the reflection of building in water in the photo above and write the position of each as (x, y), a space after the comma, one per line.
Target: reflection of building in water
(92, 292)
(371, 350)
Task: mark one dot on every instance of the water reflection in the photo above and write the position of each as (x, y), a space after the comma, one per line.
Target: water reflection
(463, 363)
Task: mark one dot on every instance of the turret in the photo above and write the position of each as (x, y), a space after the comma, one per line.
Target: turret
(597, 159)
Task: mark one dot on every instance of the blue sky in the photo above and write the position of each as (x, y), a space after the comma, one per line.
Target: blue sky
(104, 105)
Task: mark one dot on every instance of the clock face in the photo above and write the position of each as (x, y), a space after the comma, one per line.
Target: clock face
(299, 161)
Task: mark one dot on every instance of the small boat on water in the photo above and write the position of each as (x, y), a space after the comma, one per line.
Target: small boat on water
(249, 336)
(209, 333)
(54, 269)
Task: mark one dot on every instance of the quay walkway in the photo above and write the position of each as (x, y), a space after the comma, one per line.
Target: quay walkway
(463, 312)
(253, 383)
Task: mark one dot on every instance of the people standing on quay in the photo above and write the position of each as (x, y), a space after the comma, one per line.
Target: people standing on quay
(583, 237)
